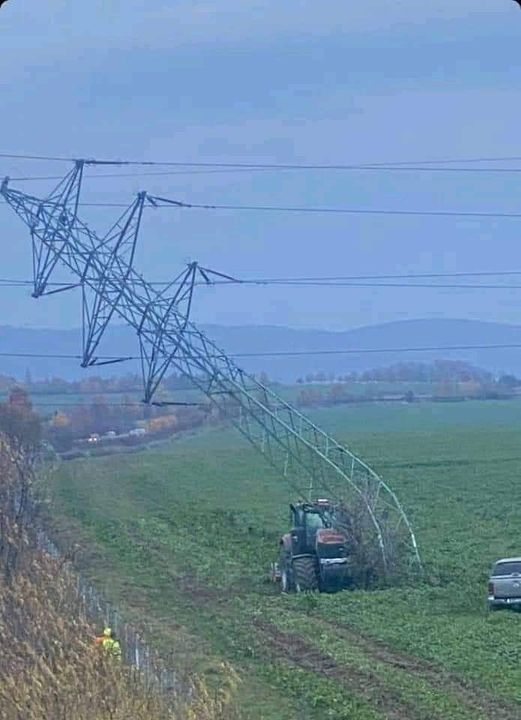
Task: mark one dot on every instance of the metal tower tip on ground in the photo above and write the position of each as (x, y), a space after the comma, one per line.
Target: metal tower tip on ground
(306, 456)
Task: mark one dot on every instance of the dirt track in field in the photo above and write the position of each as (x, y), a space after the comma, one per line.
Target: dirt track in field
(364, 684)
(467, 693)
(368, 686)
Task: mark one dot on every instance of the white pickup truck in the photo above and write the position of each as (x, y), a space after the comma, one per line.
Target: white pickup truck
(504, 584)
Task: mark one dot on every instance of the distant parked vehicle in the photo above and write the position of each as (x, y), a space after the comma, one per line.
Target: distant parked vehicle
(504, 584)
(137, 432)
(110, 435)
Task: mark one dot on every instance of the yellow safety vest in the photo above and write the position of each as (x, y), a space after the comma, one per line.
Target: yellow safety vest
(112, 646)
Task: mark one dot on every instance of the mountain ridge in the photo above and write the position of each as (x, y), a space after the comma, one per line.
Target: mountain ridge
(383, 340)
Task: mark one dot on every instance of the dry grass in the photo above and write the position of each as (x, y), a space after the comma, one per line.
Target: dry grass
(49, 667)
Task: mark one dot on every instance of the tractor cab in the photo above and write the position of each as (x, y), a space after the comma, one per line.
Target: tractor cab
(306, 519)
(318, 512)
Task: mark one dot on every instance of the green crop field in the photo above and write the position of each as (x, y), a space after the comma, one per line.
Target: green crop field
(181, 538)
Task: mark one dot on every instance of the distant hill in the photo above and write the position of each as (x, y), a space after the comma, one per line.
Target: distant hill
(266, 339)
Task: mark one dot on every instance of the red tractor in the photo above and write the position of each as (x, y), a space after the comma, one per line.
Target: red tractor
(313, 555)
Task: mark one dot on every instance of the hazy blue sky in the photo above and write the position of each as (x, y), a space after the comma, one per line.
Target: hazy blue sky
(265, 81)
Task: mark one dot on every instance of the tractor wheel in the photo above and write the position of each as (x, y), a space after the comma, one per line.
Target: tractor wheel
(305, 574)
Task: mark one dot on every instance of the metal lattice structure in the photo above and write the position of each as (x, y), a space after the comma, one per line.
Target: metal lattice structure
(309, 459)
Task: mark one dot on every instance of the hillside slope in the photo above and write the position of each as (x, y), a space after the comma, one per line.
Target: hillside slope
(49, 666)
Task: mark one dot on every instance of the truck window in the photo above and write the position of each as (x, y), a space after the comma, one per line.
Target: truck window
(506, 568)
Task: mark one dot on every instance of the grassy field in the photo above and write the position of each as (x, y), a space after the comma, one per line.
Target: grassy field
(182, 537)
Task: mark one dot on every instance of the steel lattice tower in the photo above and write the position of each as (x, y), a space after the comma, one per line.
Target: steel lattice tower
(307, 457)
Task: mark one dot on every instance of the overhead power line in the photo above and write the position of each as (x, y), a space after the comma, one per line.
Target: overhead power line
(421, 286)
(393, 276)
(363, 351)
(233, 170)
(165, 202)
(343, 210)
(61, 356)
(330, 285)
(162, 173)
(326, 278)
(255, 165)
(213, 167)
(346, 281)
(49, 158)
(352, 284)
(297, 353)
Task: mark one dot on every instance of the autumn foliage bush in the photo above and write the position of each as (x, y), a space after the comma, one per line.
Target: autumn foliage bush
(49, 666)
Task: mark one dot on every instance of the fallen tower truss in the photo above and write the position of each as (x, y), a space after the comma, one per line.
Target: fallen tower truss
(310, 461)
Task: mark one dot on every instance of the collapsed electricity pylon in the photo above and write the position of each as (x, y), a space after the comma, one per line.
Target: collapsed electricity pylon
(310, 460)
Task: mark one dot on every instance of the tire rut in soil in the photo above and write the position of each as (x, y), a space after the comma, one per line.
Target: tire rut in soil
(364, 684)
(470, 695)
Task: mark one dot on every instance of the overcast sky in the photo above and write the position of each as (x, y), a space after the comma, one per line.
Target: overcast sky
(265, 81)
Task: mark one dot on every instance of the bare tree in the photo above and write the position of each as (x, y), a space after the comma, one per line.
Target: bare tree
(369, 565)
